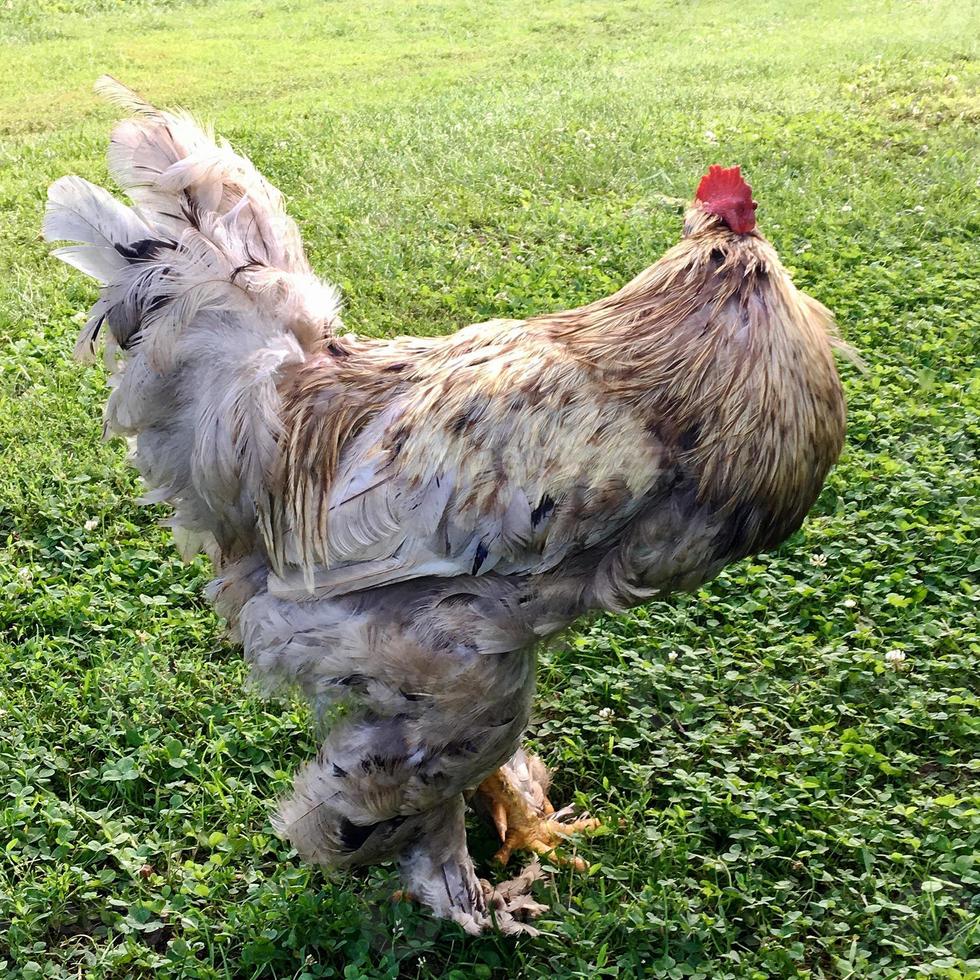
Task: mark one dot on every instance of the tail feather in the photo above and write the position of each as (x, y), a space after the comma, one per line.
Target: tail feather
(175, 170)
(208, 233)
(206, 295)
(112, 90)
(81, 212)
(97, 261)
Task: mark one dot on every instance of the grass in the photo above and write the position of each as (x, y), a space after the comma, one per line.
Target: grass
(783, 800)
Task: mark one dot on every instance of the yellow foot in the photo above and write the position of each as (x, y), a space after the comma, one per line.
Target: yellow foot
(515, 797)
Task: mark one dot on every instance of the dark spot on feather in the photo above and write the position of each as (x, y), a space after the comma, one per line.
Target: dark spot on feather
(464, 747)
(336, 350)
(337, 771)
(144, 249)
(396, 440)
(474, 411)
(129, 340)
(350, 680)
(480, 557)
(238, 270)
(353, 836)
(410, 697)
(96, 330)
(377, 761)
(599, 436)
(533, 392)
(192, 213)
(393, 368)
(544, 508)
(689, 438)
(158, 301)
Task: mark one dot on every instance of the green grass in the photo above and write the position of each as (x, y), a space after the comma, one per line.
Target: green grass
(792, 804)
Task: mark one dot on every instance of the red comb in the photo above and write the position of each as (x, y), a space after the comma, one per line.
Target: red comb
(722, 191)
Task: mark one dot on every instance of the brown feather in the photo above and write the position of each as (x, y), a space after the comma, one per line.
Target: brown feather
(712, 349)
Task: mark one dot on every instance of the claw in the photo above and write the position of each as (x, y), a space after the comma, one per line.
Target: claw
(511, 904)
(544, 836)
(524, 817)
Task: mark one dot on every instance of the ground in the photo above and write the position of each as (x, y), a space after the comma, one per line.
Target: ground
(787, 762)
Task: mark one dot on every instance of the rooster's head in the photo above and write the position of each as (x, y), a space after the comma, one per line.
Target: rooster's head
(724, 193)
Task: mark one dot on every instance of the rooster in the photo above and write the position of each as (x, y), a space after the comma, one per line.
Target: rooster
(396, 524)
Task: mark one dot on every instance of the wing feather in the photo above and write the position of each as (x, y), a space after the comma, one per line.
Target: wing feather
(499, 455)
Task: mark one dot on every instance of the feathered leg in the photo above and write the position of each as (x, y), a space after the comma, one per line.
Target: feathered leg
(344, 811)
(426, 721)
(437, 870)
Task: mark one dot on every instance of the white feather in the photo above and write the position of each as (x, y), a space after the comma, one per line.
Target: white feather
(197, 330)
(97, 261)
(78, 211)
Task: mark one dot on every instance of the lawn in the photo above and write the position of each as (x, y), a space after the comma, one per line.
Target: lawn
(788, 762)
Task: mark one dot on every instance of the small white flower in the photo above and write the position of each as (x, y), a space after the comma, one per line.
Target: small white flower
(818, 559)
(26, 574)
(672, 656)
(606, 713)
(918, 209)
(710, 136)
(895, 657)
(846, 207)
(849, 603)
(91, 524)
